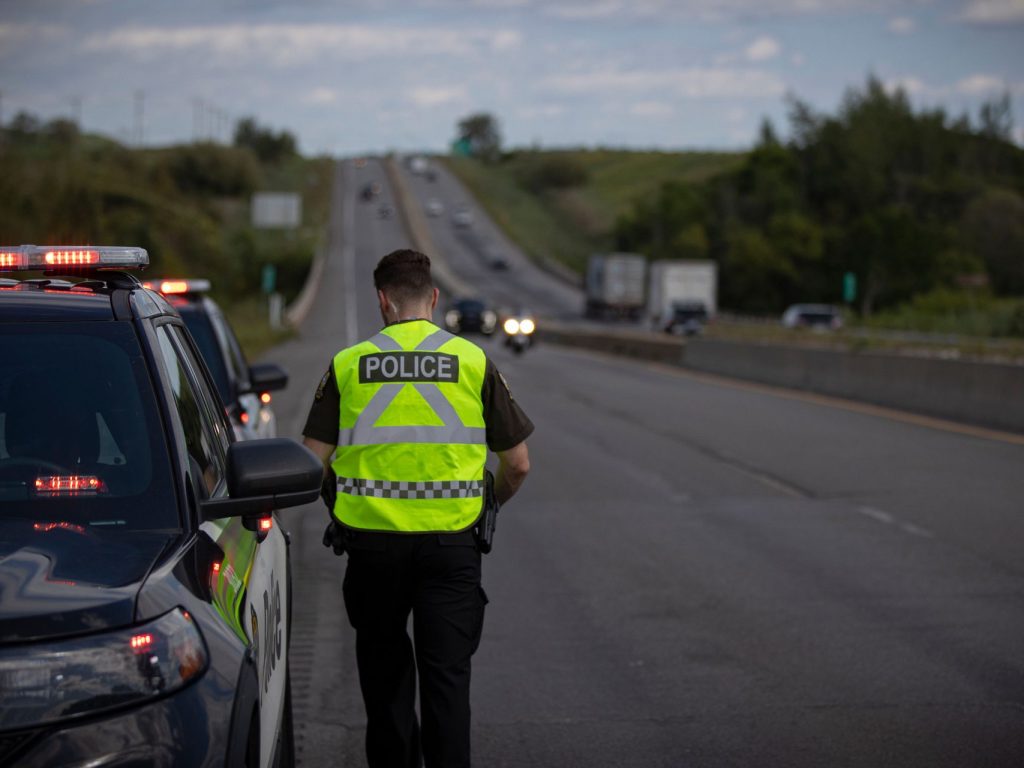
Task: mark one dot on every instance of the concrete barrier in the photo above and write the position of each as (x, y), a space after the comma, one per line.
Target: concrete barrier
(987, 394)
(645, 346)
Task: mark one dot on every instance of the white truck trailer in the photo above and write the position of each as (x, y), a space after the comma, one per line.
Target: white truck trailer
(615, 285)
(675, 282)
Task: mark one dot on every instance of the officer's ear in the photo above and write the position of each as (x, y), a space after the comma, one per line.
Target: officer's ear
(383, 301)
(433, 300)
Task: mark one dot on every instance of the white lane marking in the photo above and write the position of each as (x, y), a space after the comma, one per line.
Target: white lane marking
(877, 514)
(887, 519)
(348, 255)
(916, 530)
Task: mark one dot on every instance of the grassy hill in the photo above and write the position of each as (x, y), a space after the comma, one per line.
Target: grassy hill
(188, 205)
(562, 205)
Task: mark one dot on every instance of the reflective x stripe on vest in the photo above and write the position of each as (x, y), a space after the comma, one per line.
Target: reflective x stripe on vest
(410, 462)
(452, 430)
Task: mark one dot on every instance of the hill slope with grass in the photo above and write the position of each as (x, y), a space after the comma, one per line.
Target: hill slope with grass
(563, 205)
(188, 205)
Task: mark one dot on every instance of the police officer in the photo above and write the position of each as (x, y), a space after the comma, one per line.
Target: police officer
(404, 420)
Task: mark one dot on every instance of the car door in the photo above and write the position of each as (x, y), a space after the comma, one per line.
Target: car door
(249, 591)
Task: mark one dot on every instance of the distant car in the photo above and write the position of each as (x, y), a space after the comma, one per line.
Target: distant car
(430, 174)
(418, 164)
(819, 316)
(384, 211)
(245, 389)
(498, 264)
(434, 207)
(470, 316)
(462, 217)
(687, 318)
(370, 191)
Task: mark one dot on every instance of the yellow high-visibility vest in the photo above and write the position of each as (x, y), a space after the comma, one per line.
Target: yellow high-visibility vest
(411, 434)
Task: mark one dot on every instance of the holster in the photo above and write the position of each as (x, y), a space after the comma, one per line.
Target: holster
(484, 528)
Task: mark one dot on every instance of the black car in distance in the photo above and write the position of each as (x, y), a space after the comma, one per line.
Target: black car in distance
(470, 316)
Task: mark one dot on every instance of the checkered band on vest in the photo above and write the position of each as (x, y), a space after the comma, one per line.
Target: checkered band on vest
(392, 489)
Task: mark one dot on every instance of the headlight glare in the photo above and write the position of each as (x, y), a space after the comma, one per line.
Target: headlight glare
(527, 326)
(49, 682)
(511, 326)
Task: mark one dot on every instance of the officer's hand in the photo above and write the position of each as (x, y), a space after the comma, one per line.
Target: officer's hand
(334, 537)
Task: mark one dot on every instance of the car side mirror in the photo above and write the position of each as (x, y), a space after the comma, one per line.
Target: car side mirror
(264, 475)
(267, 377)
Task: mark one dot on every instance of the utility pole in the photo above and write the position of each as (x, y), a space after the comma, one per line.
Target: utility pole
(140, 107)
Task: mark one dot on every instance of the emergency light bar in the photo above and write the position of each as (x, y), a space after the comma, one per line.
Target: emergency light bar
(71, 257)
(171, 287)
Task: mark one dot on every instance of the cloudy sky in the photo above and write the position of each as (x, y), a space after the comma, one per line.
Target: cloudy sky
(349, 76)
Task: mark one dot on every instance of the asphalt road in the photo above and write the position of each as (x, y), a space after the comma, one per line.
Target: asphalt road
(698, 572)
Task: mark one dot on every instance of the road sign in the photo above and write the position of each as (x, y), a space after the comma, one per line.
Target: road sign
(272, 210)
(269, 278)
(849, 287)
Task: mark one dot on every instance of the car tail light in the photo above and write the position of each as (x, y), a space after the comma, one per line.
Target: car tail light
(265, 398)
(77, 678)
(266, 523)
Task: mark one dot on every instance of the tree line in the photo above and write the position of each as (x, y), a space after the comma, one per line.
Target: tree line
(910, 202)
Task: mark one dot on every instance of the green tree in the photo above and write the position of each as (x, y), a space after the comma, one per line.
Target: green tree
(482, 134)
(268, 146)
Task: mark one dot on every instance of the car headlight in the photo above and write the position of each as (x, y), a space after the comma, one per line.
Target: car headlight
(451, 318)
(48, 682)
(511, 326)
(527, 326)
(489, 320)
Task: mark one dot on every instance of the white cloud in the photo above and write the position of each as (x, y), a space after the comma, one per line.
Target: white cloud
(763, 49)
(901, 25)
(994, 11)
(427, 96)
(692, 83)
(289, 43)
(321, 95)
(581, 11)
(978, 85)
(912, 86)
(651, 109)
(17, 34)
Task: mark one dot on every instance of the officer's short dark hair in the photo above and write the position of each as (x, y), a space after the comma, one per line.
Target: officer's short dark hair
(404, 275)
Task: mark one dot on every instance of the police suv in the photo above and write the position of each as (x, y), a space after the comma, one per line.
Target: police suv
(245, 389)
(144, 577)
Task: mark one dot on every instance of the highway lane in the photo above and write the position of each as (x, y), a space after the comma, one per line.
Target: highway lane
(471, 250)
(699, 572)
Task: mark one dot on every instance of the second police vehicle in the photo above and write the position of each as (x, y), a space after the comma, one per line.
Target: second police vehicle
(144, 575)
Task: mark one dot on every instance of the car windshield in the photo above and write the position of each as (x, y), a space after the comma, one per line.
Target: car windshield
(471, 306)
(81, 441)
(201, 328)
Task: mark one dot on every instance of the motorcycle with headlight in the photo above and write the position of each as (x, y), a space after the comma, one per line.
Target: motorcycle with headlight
(519, 332)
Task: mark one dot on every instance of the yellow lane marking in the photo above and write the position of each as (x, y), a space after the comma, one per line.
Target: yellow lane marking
(830, 401)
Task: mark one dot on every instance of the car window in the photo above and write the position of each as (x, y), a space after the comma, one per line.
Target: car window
(201, 328)
(215, 416)
(204, 457)
(229, 342)
(81, 437)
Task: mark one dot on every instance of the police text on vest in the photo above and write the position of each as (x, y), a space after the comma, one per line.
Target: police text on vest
(385, 367)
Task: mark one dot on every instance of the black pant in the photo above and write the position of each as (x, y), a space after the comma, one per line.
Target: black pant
(437, 578)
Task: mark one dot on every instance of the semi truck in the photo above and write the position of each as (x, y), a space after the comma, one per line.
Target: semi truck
(615, 285)
(674, 283)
